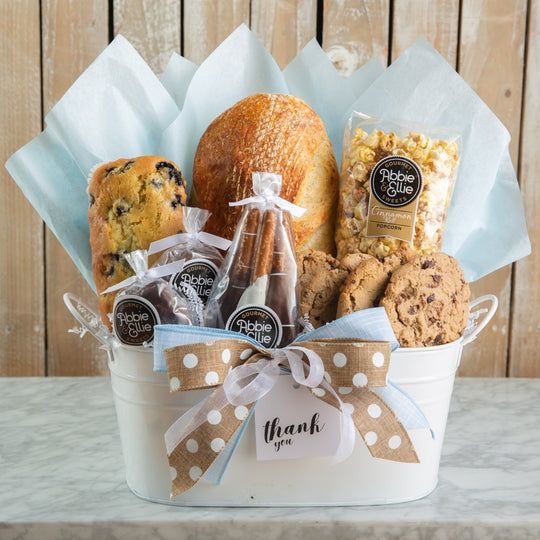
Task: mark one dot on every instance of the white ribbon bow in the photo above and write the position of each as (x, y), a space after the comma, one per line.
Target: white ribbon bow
(201, 236)
(261, 377)
(267, 187)
(138, 262)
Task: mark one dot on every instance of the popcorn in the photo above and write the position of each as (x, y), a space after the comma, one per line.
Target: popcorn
(437, 160)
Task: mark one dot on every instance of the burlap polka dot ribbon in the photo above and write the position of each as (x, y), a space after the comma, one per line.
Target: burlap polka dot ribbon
(340, 372)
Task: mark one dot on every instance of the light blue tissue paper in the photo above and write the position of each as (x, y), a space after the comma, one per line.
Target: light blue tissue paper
(312, 77)
(238, 68)
(116, 108)
(119, 108)
(508, 240)
(485, 228)
(177, 77)
(55, 186)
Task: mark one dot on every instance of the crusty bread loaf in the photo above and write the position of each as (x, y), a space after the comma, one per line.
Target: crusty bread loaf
(132, 203)
(268, 133)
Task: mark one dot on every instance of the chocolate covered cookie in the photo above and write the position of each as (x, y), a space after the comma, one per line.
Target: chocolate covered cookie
(427, 301)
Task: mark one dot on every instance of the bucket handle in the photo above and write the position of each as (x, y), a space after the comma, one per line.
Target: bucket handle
(88, 318)
(494, 302)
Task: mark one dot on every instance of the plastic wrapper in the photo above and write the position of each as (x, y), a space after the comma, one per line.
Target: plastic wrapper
(255, 293)
(200, 251)
(396, 185)
(145, 300)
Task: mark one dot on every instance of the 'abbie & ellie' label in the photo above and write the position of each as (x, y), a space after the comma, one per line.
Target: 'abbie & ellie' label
(134, 319)
(200, 274)
(258, 322)
(396, 183)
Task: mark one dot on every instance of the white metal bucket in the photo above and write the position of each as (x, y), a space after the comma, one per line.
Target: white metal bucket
(145, 410)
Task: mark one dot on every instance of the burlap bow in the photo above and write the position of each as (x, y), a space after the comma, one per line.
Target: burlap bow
(340, 372)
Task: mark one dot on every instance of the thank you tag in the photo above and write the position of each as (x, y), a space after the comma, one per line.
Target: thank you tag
(291, 423)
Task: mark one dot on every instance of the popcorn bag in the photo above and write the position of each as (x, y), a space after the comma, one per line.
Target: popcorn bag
(396, 187)
(225, 391)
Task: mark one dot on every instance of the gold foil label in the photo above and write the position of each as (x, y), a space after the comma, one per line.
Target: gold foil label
(396, 183)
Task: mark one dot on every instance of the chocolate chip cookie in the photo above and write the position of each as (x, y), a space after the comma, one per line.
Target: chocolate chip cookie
(320, 278)
(132, 203)
(364, 286)
(427, 301)
(351, 261)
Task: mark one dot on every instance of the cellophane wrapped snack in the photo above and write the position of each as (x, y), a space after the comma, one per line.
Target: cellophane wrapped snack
(199, 251)
(145, 302)
(255, 292)
(396, 185)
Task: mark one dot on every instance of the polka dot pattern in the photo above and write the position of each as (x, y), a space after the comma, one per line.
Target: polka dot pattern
(374, 410)
(245, 354)
(211, 378)
(359, 379)
(190, 360)
(319, 392)
(226, 356)
(217, 445)
(214, 417)
(370, 438)
(394, 442)
(378, 359)
(192, 446)
(174, 384)
(384, 436)
(339, 359)
(241, 412)
(195, 473)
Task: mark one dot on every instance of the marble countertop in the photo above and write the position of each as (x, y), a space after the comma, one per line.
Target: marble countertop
(61, 475)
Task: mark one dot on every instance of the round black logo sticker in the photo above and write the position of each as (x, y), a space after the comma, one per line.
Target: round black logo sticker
(198, 273)
(258, 322)
(396, 181)
(134, 319)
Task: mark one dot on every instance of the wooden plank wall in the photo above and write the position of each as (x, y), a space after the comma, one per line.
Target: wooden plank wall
(46, 44)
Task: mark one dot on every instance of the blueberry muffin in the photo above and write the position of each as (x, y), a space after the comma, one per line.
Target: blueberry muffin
(132, 203)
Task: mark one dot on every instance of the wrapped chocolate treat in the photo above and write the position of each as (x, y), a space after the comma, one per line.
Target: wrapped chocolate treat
(255, 293)
(146, 299)
(200, 251)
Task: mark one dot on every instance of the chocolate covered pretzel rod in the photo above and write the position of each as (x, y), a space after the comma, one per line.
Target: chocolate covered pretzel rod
(282, 284)
(265, 252)
(247, 243)
(242, 265)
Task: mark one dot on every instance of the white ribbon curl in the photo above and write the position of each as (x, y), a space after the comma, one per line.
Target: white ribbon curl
(138, 260)
(267, 187)
(181, 238)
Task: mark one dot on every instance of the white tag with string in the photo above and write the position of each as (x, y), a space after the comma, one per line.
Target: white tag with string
(292, 423)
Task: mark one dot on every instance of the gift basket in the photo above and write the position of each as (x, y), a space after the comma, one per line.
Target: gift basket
(292, 336)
